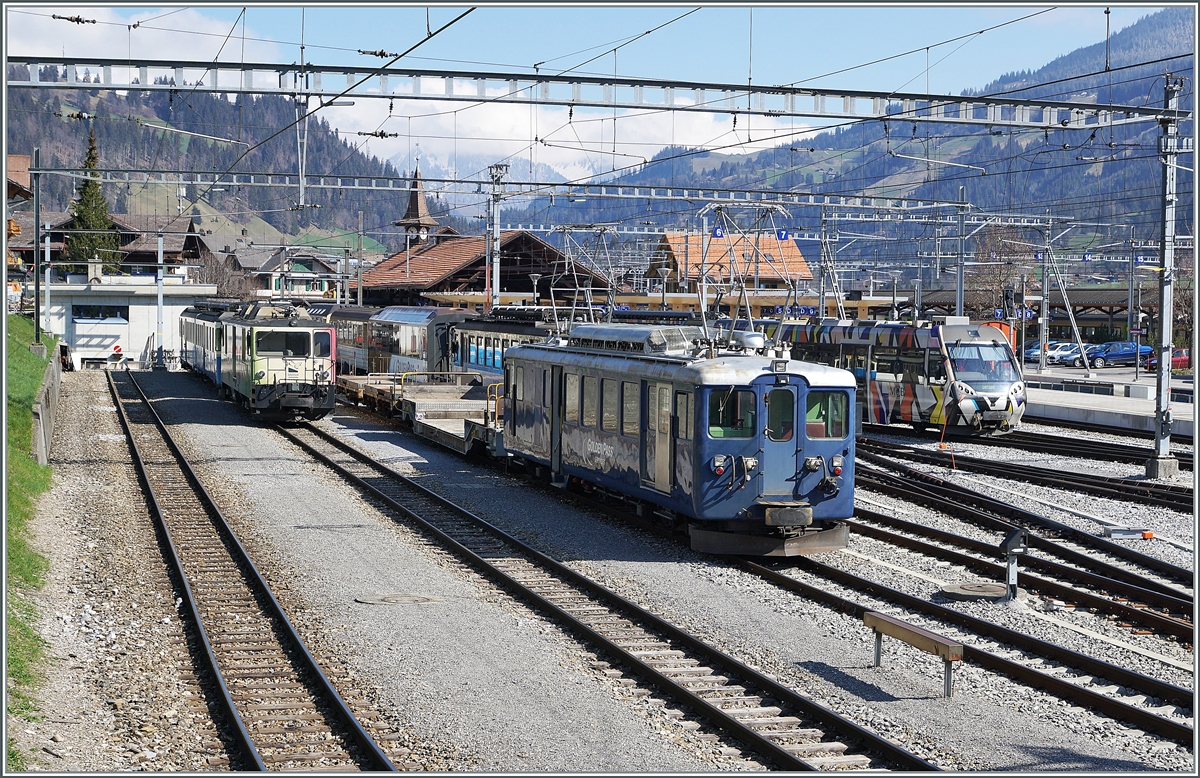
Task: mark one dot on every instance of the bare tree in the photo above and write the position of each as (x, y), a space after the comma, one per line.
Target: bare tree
(223, 270)
(999, 266)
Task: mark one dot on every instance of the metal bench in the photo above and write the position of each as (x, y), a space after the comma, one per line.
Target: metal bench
(947, 649)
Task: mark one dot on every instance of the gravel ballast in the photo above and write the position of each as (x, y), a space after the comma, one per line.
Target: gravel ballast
(476, 681)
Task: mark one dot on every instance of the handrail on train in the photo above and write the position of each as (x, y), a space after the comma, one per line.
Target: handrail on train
(402, 378)
(493, 401)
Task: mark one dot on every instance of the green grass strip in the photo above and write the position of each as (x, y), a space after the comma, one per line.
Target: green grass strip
(26, 480)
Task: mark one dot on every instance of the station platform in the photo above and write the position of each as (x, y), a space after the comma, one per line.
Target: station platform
(1106, 403)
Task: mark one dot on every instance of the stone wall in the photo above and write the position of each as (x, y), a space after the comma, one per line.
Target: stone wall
(45, 408)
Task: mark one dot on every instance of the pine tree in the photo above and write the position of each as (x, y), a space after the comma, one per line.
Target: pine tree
(90, 212)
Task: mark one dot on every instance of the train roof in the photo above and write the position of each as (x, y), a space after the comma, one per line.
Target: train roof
(650, 339)
(728, 370)
(418, 314)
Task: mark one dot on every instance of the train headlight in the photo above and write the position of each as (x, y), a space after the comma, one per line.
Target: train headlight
(1017, 388)
(260, 375)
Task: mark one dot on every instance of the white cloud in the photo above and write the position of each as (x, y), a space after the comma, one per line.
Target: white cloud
(189, 34)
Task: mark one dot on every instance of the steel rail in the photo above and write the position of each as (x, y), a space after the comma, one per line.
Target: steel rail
(228, 706)
(960, 501)
(1140, 717)
(1048, 444)
(1114, 487)
(1157, 621)
(1170, 602)
(379, 759)
(722, 719)
(1184, 440)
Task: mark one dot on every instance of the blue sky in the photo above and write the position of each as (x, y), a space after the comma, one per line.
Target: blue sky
(770, 45)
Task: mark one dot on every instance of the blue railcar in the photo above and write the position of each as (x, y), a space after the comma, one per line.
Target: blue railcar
(755, 453)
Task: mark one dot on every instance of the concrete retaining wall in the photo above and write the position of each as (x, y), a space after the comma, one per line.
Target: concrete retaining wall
(45, 408)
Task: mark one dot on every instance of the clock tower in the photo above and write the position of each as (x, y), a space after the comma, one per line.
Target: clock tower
(417, 222)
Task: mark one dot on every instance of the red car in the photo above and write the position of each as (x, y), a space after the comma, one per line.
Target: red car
(1181, 359)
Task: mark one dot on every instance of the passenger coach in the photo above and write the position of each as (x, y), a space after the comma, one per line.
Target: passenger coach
(757, 453)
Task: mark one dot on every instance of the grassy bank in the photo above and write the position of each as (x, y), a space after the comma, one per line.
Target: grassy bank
(26, 481)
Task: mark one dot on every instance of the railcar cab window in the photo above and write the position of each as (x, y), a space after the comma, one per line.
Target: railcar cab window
(781, 414)
(982, 366)
(282, 343)
(571, 399)
(321, 346)
(731, 413)
(827, 415)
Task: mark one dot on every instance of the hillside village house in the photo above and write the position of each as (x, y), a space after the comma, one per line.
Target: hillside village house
(104, 318)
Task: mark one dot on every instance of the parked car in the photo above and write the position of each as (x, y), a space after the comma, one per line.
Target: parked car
(1064, 354)
(1181, 359)
(1117, 352)
(1032, 353)
(1068, 354)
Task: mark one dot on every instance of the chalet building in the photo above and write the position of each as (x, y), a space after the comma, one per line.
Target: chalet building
(137, 238)
(439, 265)
(296, 273)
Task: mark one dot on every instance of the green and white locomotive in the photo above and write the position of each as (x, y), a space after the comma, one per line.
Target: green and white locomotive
(272, 359)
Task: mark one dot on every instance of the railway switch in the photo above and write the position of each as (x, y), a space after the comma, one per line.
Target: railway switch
(1014, 544)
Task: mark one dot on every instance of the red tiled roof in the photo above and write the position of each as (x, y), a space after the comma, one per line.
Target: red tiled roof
(423, 266)
(685, 250)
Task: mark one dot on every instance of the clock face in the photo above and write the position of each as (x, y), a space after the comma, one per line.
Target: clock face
(411, 230)
(424, 233)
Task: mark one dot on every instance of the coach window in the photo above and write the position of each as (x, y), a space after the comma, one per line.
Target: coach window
(321, 344)
(685, 421)
(571, 401)
(631, 401)
(591, 391)
(519, 386)
(781, 414)
(609, 405)
(731, 413)
(827, 415)
(936, 367)
(546, 374)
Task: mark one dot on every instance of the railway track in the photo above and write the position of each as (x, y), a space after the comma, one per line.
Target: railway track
(1052, 444)
(280, 710)
(762, 715)
(1183, 440)
(1173, 496)
(1081, 548)
(1084, 680)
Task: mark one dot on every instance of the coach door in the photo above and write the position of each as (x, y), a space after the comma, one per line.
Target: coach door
(780, 441)
(656, 465)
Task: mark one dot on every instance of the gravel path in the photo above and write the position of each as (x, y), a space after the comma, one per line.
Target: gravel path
(118, 694)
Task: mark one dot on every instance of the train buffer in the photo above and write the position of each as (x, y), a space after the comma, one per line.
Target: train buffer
(949, 650)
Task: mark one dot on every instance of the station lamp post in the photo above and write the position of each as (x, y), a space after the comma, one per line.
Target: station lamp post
(533, 278)
(663, 272)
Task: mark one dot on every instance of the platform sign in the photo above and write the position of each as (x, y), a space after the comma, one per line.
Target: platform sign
(1037, 255)
(1141, 259)
(1030, 313)
(718, 231)
(1137, 331)
(781, 234)
(998, 313)
(1087, 257)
